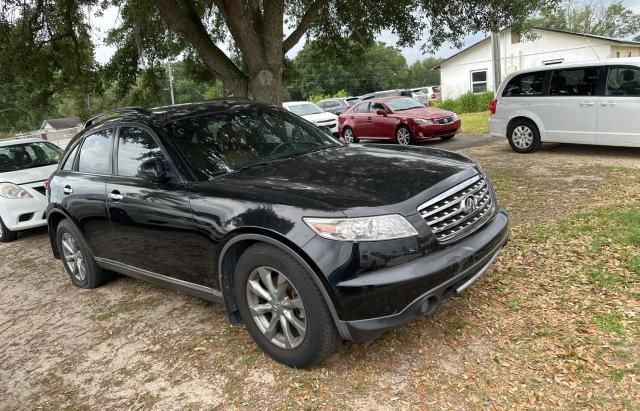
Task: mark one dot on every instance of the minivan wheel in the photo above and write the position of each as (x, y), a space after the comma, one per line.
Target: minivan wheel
(77, 259)
(282, 307)
(6, 235)
(403, 135)
(349, 136)
(524, 136)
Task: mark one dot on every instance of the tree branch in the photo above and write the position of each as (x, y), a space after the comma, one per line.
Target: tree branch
(309, 16)
(182, 18)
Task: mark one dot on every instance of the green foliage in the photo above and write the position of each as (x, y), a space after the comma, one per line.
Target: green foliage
(467, 103)
(317, 97)
(599, 18)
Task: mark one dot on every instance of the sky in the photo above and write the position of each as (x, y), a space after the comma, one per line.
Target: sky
(109, 19)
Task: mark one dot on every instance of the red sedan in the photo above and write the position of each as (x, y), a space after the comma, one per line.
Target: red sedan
(401, 119)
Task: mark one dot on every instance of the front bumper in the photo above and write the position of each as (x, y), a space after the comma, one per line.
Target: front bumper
(431, 131)
(22, 214)
(425, 282)
(332, 126)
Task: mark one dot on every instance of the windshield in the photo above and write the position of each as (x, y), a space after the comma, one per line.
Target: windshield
(400, 104)
(221, 143)
(305, 109)
(28, 155)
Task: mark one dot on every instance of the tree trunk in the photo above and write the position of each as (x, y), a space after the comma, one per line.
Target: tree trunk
(265, 85)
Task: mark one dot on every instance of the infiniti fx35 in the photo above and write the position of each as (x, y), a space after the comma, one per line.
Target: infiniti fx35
(305, 240)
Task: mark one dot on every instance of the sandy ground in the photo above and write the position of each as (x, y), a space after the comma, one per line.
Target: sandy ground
(133, 345)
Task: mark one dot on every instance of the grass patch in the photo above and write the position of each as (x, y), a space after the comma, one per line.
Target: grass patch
(475, 123)
(513, 303)
(608, 281)
(633, 264)
(609, 323)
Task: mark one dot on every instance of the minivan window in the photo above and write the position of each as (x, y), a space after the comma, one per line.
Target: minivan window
(623, 81)
(135, 146)
(94, 154)
(528, 84)
(581, 81)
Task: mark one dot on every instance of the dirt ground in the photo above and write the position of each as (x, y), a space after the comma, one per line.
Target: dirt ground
(554, 324)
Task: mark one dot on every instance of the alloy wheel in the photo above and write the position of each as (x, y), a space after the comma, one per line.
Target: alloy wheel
(403, 136)
(276, 307)
(74, 258)
(348, 136)
(522, 137)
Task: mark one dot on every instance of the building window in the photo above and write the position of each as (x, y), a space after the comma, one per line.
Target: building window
(552, 62)
(515, 38)
(479, 81)
(617, 54)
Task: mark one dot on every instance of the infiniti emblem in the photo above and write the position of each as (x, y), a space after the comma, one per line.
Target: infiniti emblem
(469, 204)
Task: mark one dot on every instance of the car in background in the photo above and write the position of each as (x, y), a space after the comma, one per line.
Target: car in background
(434, 93)
(337, 105)
(401, 119)
(583, 103)
(305, 240)
(387, 93)
(25, 165)
(314, 114)
(421, 95)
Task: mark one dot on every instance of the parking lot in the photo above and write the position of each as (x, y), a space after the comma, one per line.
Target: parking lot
(553, 324)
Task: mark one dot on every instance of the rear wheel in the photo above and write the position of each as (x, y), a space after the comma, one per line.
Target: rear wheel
(6, 235)
(77, 259)
(403, 135)
(349, 136)
(283, 308)
(524, 136)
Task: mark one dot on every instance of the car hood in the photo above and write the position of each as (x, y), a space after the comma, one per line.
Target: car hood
(28, 175)
(354, 177)
(424, 112)
(314, 118)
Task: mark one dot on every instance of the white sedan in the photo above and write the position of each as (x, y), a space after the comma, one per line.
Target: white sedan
(311, 112)
(24, 167)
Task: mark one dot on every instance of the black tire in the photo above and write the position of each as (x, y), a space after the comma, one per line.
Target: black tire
(404, 136)
(94, 276)
(524, 136)
(347, 130)
(321, 338)
(6, 235)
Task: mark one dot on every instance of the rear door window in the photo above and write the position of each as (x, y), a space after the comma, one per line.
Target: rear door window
(361, 108)
(581, 81)
(525, 85)
(623, 81)
(95, 154)
(68, 165)
(135, 146)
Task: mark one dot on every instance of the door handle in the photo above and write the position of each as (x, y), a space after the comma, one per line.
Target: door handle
(115, 195)
(607, 104)
(587, 104)
(351, 117)
(368, 118)
(67, 190)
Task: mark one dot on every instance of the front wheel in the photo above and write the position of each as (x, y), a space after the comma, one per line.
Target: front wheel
(524, 136)
(349, 136)
(403, 135)
(6, 235)
(282, 307)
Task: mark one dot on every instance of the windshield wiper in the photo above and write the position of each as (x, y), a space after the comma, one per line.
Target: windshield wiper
(250, 166)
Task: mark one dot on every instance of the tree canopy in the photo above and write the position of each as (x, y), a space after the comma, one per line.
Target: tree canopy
(46, 50)
(598, 17)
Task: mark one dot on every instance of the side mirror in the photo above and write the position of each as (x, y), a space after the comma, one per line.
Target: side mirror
(381, 112)
(154, 169)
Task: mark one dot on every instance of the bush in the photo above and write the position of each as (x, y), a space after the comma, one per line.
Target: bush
(467, 103)
(314, 98)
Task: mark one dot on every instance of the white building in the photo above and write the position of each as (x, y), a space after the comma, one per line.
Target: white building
(471, 69)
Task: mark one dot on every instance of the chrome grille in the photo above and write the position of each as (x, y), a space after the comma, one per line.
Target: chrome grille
(460, 210)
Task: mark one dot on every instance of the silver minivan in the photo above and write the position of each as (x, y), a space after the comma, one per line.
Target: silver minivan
(582, 103)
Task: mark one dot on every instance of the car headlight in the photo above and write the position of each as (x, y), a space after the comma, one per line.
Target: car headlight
(423, 121)
(384, 227)
(454, 116)
(14, 192)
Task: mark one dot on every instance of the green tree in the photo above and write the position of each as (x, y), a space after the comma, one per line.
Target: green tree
(421, 73)
(597, 17)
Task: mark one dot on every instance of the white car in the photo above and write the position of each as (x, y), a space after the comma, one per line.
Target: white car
(24, 166)
(585, 103)
(311, 112)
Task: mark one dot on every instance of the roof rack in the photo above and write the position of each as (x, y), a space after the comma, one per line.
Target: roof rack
(123, 110)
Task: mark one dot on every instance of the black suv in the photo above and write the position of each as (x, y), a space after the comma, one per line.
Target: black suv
(305, 240)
